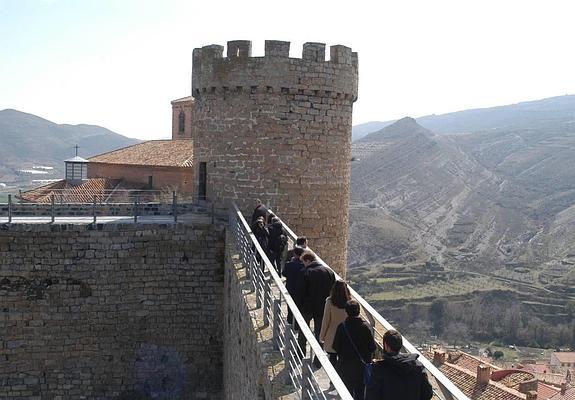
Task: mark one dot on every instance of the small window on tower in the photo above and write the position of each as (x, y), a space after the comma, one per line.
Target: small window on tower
(181, 123)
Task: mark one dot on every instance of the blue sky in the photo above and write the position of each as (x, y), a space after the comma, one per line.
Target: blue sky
(119, 63)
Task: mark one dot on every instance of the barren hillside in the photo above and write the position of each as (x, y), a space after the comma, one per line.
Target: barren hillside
(476, 217)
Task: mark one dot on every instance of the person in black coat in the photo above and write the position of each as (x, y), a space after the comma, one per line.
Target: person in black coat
(349, 364)
(293, 271)
(259, 211)
(397, 376)
(301, 241)
(262, 235)
(318, 280)
(276, 243)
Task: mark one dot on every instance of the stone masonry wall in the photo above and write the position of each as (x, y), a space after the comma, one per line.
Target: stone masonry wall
(111, 311)
(243, 367)
(279, 129)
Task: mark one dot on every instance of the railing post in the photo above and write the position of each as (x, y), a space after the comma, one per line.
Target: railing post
(257, 291)
(175, 206)
(305, 378)
(277, 322)
(288, 348)
(249, 263)
(135, 209)
(267, 300)
(9, 208)
(52, 208)
(213, 215)
(94, 211)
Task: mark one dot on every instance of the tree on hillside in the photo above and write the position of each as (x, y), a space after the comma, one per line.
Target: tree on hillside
(420, 331)
(437, 315)
(456, 333)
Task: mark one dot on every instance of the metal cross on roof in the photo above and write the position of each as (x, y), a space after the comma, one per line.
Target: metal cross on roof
(76, 147)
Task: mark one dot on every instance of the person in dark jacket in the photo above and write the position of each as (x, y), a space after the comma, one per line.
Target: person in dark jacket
(259, 211)
(318, 280)
(293, 271)
(397, 376)
(349, 364)
(301, 241)
(261, 233)
(276, 243)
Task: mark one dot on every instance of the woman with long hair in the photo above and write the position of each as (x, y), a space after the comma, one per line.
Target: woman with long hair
(333, 315)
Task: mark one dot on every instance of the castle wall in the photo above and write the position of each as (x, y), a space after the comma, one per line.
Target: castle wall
(179, 178)
(111, 312)
(244, 371)
(185, 106)
(279, 129)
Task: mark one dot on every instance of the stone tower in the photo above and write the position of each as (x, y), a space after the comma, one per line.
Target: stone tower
(278, 129)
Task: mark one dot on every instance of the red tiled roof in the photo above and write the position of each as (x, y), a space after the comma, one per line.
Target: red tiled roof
(569, 395)
(538, 368)
(467, 382)
(545, 392)
(168, 153)
(83, 193)
(512, 378)
(467, 361)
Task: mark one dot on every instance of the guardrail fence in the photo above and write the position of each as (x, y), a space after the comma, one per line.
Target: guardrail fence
(106, 203)
(273, 297)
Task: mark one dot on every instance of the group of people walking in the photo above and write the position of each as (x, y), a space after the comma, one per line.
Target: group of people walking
(270, 234)
(337, 324)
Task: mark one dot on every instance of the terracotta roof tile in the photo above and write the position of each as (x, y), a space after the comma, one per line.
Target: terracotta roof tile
(545, 392)
(537, 368)
(514, 378)
(569, 395)
(106, 189)
(467, 382)
(467, 361)
(169, 153)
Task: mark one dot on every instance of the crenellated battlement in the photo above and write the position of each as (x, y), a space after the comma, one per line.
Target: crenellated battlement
(275, 72)
(278, 128)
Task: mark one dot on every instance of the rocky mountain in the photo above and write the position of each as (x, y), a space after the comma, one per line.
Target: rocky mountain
(525, 115)
(474, 219)
(27, 141)
(501, 195)
(422, 182)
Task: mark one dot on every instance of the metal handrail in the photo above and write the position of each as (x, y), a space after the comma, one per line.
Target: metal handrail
(449, 390)
(92, 207)
(299, 369)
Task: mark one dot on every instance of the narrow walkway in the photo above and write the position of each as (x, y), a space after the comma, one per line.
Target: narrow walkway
(281, 387)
